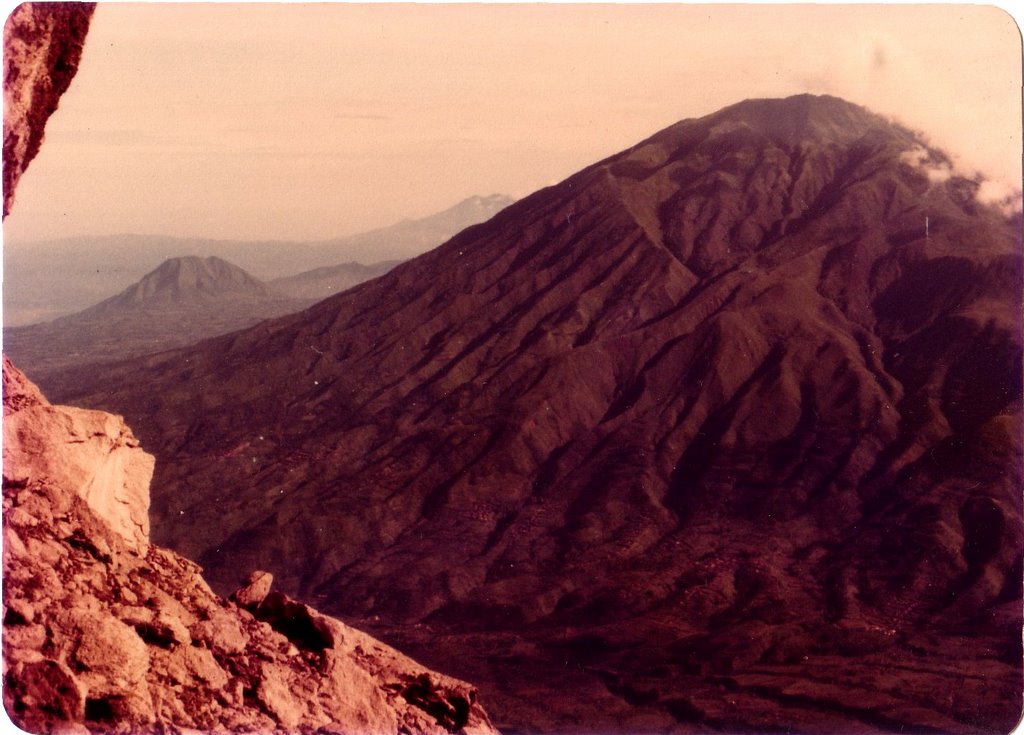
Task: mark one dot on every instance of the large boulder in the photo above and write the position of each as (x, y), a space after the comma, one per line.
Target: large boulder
(88, 453)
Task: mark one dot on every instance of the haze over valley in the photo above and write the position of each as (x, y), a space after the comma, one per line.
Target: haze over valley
(95, 268)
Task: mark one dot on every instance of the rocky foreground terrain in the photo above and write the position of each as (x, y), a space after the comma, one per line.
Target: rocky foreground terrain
(106, 633)
(720, 433)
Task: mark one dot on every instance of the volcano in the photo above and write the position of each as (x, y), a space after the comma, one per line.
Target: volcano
(183, 281)
(182, 301)
(721, 433)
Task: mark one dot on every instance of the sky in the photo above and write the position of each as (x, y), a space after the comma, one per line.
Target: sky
(299, 122)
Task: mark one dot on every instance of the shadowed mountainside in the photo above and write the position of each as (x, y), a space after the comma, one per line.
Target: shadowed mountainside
(319, 283)
(722, 432)
(181, 302)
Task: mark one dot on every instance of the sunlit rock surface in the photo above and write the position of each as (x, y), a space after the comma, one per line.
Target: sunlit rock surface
(106, 633)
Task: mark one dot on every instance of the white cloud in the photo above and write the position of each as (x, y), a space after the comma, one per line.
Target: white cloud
(937, 170)
(1001, 195)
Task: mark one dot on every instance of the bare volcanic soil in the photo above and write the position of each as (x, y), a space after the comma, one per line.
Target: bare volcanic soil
(720, 434)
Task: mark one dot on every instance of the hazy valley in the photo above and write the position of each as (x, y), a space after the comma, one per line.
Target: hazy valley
(92, 269)
(186, 299)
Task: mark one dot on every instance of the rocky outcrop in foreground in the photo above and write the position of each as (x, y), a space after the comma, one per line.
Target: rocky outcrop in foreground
(42, 47)
(104, 632)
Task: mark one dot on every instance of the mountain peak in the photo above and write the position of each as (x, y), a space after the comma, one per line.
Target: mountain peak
(193, 271)
(787, 123)
(188, 278)
(799, 106)
(491, 200)
(805, 116)
(476, 207)
(181, 301)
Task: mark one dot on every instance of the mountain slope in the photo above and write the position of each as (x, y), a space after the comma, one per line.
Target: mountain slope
(105, 633)
(412, 237)
(721, 432)
(320, 283)
(183, 301)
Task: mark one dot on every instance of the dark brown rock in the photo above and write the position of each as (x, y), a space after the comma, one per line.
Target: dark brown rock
(45, 693)
(300, 624)
(42, 48)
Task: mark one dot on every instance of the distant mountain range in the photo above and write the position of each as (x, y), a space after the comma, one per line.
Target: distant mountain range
(720, 434)
(47, 279)
(320, 283)
(183, 301)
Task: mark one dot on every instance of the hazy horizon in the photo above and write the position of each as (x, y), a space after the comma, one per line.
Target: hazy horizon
(85, 237)
(311, 122)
